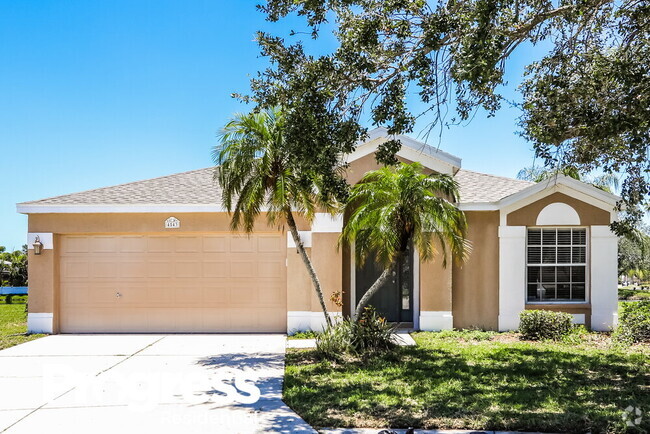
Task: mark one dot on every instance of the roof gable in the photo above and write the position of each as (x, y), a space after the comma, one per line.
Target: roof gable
(412, 150)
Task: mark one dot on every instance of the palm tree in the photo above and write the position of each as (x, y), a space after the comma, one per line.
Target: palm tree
(16, 268)
(607, 182)
(394, 207)
(257, 175)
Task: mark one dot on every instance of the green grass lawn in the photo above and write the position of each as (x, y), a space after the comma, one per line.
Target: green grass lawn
(475, 380)
(13, 323)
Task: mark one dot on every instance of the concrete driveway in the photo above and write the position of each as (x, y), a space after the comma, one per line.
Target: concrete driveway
(146, 383)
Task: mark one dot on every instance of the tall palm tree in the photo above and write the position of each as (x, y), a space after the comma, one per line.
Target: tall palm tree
(394, 207)
(257, 175)
(607, 182)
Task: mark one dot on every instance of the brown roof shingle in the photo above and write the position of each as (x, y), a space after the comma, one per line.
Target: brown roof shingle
(481, 187)
(198, 188)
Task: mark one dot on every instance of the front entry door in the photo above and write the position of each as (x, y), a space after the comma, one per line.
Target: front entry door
(394, 300)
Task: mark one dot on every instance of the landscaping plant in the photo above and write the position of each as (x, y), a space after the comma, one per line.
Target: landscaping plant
(369, 334)
(544, 324)
(634, 323)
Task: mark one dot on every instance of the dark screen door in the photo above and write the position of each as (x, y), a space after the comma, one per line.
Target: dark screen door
(394, 300)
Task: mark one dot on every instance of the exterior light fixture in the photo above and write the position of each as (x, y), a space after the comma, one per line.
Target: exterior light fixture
(38, 246)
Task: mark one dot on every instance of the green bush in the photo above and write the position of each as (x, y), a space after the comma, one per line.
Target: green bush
(544, 324)
(308, 334)
(634, 322)
(370, 334)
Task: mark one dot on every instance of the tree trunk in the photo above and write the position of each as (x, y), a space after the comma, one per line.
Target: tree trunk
(383, 278)
(310, 268)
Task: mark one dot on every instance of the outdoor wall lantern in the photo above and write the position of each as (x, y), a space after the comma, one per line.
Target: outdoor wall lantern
(38, 246)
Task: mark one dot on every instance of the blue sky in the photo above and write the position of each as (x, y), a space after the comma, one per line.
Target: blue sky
(98, 93)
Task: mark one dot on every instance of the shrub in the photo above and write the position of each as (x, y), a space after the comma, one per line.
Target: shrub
(544, 324)
(307, 334)
(371, 333)
(634, 323)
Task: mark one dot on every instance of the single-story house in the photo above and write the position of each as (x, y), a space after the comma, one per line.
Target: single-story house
(158, 256)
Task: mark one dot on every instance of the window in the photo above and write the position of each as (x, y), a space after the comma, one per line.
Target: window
(556, 264)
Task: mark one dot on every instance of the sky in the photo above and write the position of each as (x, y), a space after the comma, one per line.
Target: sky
(96, 93)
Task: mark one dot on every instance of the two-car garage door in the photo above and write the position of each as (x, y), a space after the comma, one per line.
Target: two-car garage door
(216, 282)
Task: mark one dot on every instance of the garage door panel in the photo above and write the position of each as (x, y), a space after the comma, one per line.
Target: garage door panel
(133, 244)
(160, 244)
(272, 269)
(189, 244)
(216, 244)
(130, 269)
(216, 269)
(173, 283)
(159, 268)
(75, 269)
(243, 244)
(104, 244)
(268, 244)
(75, 244)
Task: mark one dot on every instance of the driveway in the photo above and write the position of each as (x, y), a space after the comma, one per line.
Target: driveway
(146, 383)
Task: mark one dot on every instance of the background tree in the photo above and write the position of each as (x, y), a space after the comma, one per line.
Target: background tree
(585, 103)
(13, 267)
(258, 175)
(634, 255)
(394, 207)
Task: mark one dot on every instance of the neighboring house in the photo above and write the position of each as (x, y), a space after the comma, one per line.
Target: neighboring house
(157, 256)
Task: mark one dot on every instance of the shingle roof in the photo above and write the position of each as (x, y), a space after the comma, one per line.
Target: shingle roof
(481, 187)
(198, 188)
(189, 188)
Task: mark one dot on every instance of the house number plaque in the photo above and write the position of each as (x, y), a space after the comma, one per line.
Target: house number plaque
(172, 223)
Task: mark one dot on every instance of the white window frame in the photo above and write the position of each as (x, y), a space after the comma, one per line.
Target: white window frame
(586, 264)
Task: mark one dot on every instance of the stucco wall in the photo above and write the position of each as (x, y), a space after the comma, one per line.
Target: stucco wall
(41, 275)
(139, 223)
(476, 282)
(589, 214)
(435, 285)
(328, 263)
(355, 171)
(299, 287)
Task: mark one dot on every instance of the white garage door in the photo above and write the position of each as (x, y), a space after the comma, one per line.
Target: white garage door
(173, 283)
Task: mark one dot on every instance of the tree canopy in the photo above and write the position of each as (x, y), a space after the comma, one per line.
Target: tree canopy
(586, 102)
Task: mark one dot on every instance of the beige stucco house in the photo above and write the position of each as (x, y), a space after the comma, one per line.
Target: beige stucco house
(157, 256)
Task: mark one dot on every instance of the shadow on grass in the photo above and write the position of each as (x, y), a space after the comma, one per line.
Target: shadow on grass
(490, 386)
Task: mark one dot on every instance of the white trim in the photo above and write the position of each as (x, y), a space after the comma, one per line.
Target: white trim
(604, 278)
(416, 289)
(45, 237)
(579, 318)
(478, 206)
(305, 236)
(562, 181)
(508, 205)
(512, 275)
(558, 214)
(324, 222)
(39, 322)
(301, 321)
(412, 149)
(436, 320)
(122, 208)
